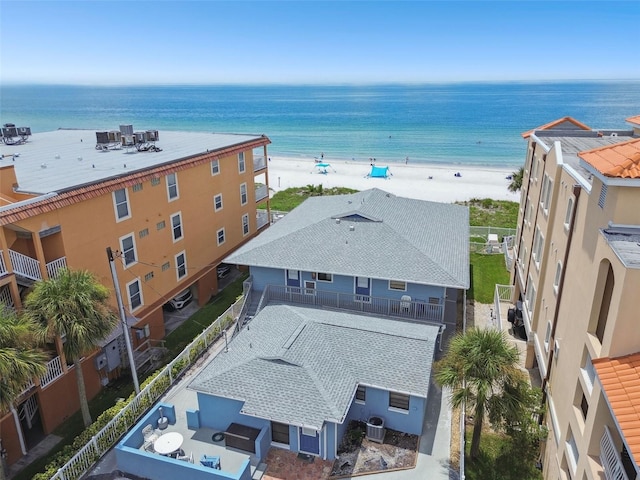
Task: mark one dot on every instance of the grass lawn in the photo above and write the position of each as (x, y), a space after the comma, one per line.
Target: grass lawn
(287, 200)
(499, 459)
(492, 213)
(486, 271)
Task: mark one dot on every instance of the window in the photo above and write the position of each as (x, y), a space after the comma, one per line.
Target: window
(361, 394)
(137, 187)
(280, 433)
(534, 168)
(155, 181)
(148, 276)
(143, 233)
(528, 214)
(217, 202)
(176, 226)
(181, 265)
(160, 225)
(545, 196)
(220, 235)
(128, 249)
(399, 401)
(325, 277)
(588, 372)
(569, 214)
(172, 186)
(166, 266)
(397, 285)
(605, 302)
(547, 337)
(556, 280)
(572, 451)
(135, 294)
(121, 204)
(245, 224)
(215, 167)
(241, 165)
(530, 297)
(243, 194)
(538, 241)
(584, 405)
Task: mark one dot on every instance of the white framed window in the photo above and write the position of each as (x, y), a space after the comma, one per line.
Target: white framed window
(398, 401)
(121, 204)
(245, 224)
(568, 214)
(181, 265)
(397, 285)
(134, 294)
(215, 167)
(572, 451)
(556, 280)
(243, 194)
(220, 236)
(534, 169)
(545, 196)
(361, 394)
(538, 241)
(324, 277)
(588, 372)
(176, 227)
(172, 186)
(128, 249)
(530, 297)
(547, 337)
(241, 164)
(528, 214)
(217, 202)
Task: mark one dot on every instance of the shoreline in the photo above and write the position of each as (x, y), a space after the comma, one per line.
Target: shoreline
(420, 181)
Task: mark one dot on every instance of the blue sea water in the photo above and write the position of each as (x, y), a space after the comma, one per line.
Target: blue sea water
(456, 123)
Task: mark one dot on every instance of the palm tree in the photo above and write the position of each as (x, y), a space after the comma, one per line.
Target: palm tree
(481, 368)
(73, 305)
(20, 358)
(516, 180)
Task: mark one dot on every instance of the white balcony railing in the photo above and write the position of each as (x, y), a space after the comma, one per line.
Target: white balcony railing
(261, 192)
(262, 218)
(3, 267)
(54, 370)
(25, 266)
(54, 267)
(259, 163)
(610, 458)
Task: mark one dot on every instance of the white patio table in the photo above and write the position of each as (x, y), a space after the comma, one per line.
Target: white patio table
(168, 443)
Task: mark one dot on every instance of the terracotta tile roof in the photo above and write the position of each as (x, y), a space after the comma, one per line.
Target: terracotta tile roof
(620, 379)
(556, 123)
(621, 160)
(93, 190)
(635, 119)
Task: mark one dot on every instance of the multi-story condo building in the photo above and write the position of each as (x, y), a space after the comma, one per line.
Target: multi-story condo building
(171, 205)
(576, 281)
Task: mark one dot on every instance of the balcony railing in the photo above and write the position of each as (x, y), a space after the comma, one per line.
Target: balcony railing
(413, 309)
(610, 458)
(262, 218)
(54, 370)
(29, 267)
(261, 192)
(259, 163)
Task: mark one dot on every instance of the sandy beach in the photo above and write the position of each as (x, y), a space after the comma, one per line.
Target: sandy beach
(420, 181)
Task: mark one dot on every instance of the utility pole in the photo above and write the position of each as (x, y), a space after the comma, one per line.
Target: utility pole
(123, 318)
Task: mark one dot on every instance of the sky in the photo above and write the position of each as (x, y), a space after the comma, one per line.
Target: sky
(312, 42)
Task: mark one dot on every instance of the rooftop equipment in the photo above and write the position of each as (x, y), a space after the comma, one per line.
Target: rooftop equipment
(14, 136)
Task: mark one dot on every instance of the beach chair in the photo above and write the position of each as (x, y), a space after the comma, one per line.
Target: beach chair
(210, 461)
(150, 436)
(185, 458)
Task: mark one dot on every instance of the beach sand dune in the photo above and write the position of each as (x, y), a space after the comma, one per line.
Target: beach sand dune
(420, 181)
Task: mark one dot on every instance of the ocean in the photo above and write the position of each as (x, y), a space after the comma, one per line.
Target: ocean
(455, 123)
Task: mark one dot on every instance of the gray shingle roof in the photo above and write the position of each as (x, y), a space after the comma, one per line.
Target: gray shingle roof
(302, 365)
(385, 237)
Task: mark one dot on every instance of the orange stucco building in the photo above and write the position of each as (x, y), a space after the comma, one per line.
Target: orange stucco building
(171, 205)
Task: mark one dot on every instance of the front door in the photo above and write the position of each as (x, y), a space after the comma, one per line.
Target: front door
(309, 288)
(309, 441)
(293, 278)
(363, 289)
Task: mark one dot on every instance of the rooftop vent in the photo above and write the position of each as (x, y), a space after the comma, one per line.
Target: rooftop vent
(337, 220)
(352, 228)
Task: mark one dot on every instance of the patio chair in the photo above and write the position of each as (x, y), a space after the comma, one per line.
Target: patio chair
(185, 458)
(210, 461)
(150, 436)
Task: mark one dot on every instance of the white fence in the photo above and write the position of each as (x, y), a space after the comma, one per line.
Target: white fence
(502, 294)
(126, 418)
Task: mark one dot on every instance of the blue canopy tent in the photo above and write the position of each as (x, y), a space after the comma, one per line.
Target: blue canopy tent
(379, 172)
(322, 168)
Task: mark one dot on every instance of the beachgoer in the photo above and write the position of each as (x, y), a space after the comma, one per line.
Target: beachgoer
(322, 156)
(406, 161)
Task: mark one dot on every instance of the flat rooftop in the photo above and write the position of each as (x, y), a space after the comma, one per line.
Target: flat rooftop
(625, 243)
(63, 159)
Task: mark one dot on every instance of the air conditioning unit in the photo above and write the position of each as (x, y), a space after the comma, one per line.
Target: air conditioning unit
(102, 138)
(115, 136)
(152, 136)
(140, 137)
(128, 141)
(100, 361)
(126, 129)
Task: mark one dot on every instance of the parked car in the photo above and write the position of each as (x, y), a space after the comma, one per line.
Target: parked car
(223, 270)
(179, 301)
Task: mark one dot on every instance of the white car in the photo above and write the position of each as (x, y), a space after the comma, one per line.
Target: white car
(179, 301)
